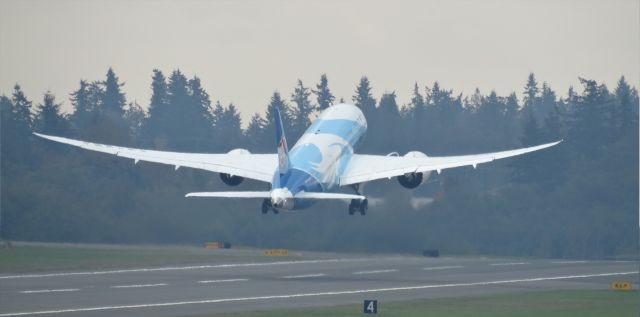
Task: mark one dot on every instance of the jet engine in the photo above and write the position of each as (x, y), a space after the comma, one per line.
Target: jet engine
(413, 180)
(233, 180)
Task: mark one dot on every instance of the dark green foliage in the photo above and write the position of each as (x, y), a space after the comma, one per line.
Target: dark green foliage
(323, 94)
(269, 131)
(363, 97)
(301, 110)
(49, 120)
(578, 199)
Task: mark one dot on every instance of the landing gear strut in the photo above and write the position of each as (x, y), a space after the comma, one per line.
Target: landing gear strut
(358, 205)
(266, 206)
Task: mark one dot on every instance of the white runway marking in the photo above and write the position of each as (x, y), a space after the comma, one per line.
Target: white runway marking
(442, 267)
(509, 263)
(375, 271)
(304, 276)
(224, 281)
(181, 268)
(50, 291)
(139, 285)
(360, 291)
(568, 262)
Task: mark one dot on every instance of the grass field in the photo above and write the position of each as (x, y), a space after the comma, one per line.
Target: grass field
(24, 258)
(579, 303)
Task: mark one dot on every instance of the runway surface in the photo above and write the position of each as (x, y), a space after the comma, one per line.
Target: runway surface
(216, 288)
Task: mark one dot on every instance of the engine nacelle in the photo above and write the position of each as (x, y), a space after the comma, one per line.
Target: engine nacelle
(410, 180)
(234, 180)
(413, 180)
(231, 180)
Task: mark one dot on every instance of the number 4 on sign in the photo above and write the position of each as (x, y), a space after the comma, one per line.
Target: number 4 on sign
(370, 306)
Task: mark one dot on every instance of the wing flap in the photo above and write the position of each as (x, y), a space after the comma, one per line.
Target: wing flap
(254, 166)
(364, 168)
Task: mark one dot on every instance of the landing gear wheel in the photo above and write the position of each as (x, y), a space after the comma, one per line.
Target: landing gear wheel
(266, 205)
(364, 205)
(353, 206)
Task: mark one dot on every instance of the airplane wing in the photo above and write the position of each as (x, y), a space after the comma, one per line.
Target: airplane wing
(260, 167)
(364, 168)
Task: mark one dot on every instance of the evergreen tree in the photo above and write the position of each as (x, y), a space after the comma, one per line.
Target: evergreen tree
(588, 120)
(49, 119)
(134, 116)
(526, 170)
(287, 119)
(323, 94)
(391, 134)
(302, 110)
(255, 134)
(153, 133)
(159, 94)
(417, 116)
(547, 102)
(530, 92)
(511, 113)
(624, 116)
(188, 124)
(228, 126)
(83, 113)
(114, 99)
(363, 98)
(22, 108)
(417, 100)
(14, 134)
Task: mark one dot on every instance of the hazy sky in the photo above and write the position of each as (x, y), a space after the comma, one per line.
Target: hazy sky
(244, 50)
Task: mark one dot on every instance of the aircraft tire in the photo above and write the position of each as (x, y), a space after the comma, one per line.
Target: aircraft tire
(364, 205)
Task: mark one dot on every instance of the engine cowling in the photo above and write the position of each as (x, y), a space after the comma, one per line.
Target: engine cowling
(410, 180)
(413, 180)
(234, 180)
(231, 180)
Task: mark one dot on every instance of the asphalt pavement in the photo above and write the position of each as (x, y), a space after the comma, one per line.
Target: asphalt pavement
(215, 288)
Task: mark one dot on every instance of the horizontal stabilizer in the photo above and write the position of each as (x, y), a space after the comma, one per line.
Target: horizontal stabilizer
(265, 194)
(310, 195)
(231, 194)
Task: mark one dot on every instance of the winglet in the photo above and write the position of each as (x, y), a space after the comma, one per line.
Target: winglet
(281, 142)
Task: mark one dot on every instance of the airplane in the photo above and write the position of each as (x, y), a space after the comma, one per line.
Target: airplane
(322, 161)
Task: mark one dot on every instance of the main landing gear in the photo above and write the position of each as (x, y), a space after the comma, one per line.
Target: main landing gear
(358, 205)
(266, 206)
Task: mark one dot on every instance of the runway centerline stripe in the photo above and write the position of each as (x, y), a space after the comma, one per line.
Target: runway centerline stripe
(181, 268)
(224, 281)
(442, 267)
(139, 285)
(568, 262)
(509, 263)
(304, 276)
(50, 291)
(360, 291)
(375, 271)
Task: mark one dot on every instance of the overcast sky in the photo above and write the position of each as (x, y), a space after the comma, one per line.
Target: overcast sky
(244, 50)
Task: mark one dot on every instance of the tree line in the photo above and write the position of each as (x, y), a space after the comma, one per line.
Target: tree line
(578, 199)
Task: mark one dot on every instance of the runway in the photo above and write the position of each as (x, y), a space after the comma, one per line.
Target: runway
(217, 288)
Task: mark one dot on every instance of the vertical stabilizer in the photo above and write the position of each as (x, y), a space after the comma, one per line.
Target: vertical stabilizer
(281, 142)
